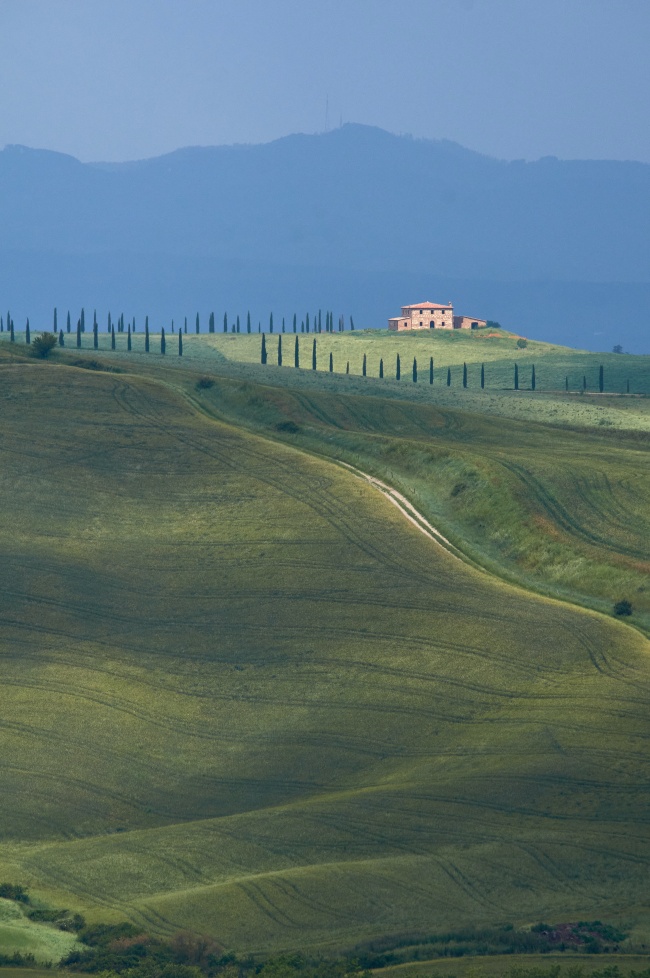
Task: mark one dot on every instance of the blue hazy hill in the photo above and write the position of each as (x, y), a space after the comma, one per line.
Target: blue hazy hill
(355, 219)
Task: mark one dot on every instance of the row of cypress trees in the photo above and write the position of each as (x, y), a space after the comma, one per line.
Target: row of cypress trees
(414, 370)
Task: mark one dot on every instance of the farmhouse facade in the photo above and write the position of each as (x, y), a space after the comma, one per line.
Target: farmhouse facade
(432, 315)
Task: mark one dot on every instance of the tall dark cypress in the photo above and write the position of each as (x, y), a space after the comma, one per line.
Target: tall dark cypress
(302, 326)
(225, 322)
(319, 321)
(237, 325)
(430, 370)
(381, 369)
(363, 366)
(112, 338)
(313, 356)
(12, 335)
(95, 319)
(464, 375)
(197, 327)
(331, 362)
(415, 371)
(68, 324)
(61, 340)
(283, 324)
(351, 323)
(516, 377)
(128, 338)
(533, 379)
(584, 382)
(95, 335)
(78, 333)
(263, 353)
(146, 335)
(280, 350)
(211, 323)
(163, 343)
(248, 322)
(398, 369)
(82, 320)
(307, 323)
(2, 325)
(296, 353)
(601, 379)
(347, 367)
(180, 342)
(566, 384)
(448, 376)
(55, 327)
(482, 376)
(271, 323)
(295, 322)
(109, 324)
(28, 336)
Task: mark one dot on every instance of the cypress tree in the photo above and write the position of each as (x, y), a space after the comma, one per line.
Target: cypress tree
(533, 379)
(237, 325)
(398, 370)
(95, 335)
(128, 338)
(448, 376)
(234, 326)
(28, 337)
(347, 367)
(351, 323)
(331, 362)
(67, 322)
(248, 322)
(430, 370)
(146, 335)
(263, 355)
(271, 323)
(295, 323)
(211, 323)
(319, 321)
(2, 325)
(259, 327)
(464, 375)
(185, 324)
(516, 377)
(307, 323)
(280, 350)
(78, 333)
(82, 320)
(146, 324)
(133, 325)
(61, 341)
(296, 353)
(180, 342)
(11, 331)
(415, 371)
(163, 344)
(283, 324)
(108, 327)
(482, 376)
(381, 369)
(197, 327)
(55, 327)
(95, 319)
(584, 382)
(225, 322)
(112, 338)
(8, 320)
(601, 379)
(363, 366)
(180, 330)
(313, 356)
(566, 384)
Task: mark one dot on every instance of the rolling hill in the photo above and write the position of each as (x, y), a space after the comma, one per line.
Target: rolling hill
(243, 695)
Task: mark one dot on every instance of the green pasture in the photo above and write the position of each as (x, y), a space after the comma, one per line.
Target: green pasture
(242, 695)
(20, 934)
(571, 965)
(565, 511)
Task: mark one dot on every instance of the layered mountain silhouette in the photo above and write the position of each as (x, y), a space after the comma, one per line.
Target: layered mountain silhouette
(356, 220)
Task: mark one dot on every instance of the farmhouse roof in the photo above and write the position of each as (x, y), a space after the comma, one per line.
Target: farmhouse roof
(427, 305)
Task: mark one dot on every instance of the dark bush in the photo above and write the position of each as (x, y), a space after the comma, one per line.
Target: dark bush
(622, 608)
(289, 426)
(12, 891)
(204, 383)
(43, 345)
(522, 343)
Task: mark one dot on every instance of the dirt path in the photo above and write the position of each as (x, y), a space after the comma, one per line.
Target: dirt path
(409, 511)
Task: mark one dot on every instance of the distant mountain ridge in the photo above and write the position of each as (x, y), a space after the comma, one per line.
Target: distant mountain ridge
(304, 218)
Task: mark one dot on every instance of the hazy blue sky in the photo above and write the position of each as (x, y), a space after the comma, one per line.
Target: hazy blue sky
(125, 79)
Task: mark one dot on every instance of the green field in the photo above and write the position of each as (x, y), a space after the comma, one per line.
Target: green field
(19, 933)
(243, 695)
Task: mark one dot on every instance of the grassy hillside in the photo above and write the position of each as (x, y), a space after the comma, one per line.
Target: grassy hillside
(242, 695)
(20, 934)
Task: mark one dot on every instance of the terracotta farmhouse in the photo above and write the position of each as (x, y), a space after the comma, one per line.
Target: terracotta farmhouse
(432, 315)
